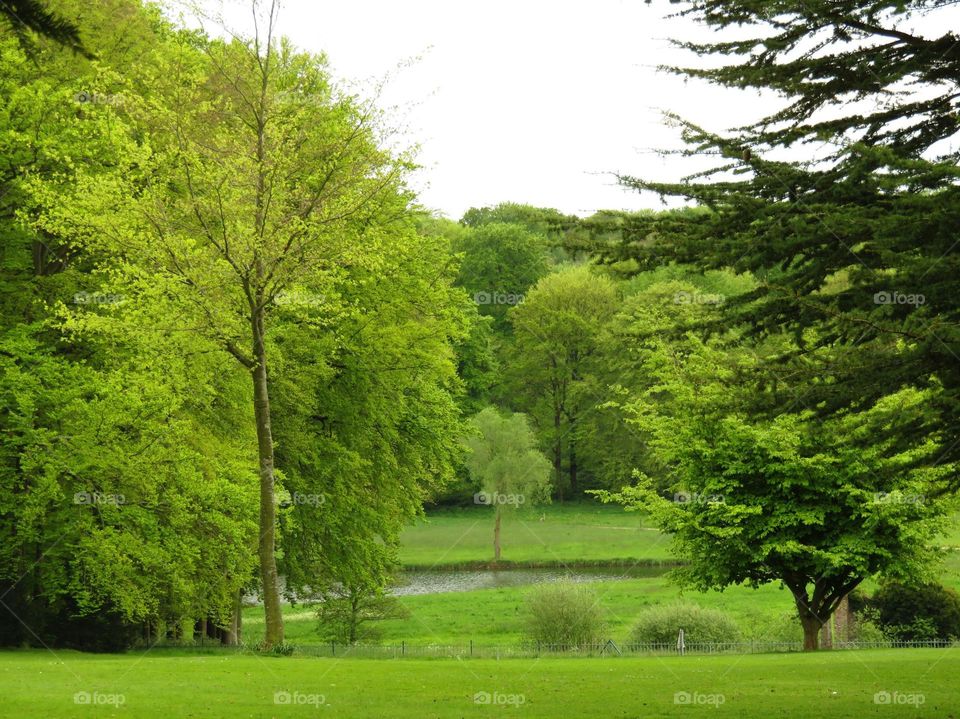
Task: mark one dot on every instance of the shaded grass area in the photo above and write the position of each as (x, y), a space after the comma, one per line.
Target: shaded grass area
(834, 685)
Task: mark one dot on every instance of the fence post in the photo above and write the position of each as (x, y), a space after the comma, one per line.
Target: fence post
(333, 649)
(403, 648)
(471, 647)
(538, 647)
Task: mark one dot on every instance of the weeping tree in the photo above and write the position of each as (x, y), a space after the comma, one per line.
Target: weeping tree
(507, 466)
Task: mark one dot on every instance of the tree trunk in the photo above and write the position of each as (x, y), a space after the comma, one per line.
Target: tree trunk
(844, 620)
(496, 537)
(354, 618)
(811, 632)
(231, 633)
(558, 455)
(573, 464)
(273, 634)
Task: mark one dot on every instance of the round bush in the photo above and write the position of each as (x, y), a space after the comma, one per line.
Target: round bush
(662, 623)
(564, 615)
(909, 613)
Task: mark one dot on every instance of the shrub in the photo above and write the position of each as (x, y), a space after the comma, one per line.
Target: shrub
(564, 615)
(783, 627)
(283, 649)
(662, 624)
(909, 613)
(348, 615)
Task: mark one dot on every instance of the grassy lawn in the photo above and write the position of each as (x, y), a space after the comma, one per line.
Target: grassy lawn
(569, 533)
(587, 532)
(495, 616)
(829, 685)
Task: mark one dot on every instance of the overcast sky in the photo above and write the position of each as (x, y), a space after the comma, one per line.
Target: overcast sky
(518, 100)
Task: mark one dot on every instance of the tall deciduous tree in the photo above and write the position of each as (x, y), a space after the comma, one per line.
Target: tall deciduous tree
(817, 506)
(558, 331)
(260, 183)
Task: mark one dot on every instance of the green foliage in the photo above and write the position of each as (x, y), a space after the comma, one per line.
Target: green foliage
(144, 282)
(555, 368)
(661, 624)
(842, 203)
(788, 499)
(504, 460)
(500, 262)
(925, 611)
(563, 616)
(347, 613)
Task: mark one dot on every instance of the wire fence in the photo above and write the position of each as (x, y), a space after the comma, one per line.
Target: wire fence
(532, 650)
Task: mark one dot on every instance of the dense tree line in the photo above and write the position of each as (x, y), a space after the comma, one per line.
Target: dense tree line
(228, 353)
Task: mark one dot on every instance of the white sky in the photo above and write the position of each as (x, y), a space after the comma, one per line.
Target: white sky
(525, 101)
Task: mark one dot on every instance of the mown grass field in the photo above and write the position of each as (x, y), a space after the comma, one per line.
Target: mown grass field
(554, 534)
(586, 532)
(496, 616)
(918, 683)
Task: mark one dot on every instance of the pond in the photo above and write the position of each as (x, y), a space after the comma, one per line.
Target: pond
(439, 581)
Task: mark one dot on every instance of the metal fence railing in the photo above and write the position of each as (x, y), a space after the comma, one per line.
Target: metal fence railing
(609, 648)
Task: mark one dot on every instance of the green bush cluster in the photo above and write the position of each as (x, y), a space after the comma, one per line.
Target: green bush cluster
(564, 615)
(662, 623)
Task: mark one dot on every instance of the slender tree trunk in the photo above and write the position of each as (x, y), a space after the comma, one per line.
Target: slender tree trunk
(273, 634)
(231, 633)
(496, 537)
(844, 619)
(238, 613)
(354, 618)
(558, 454)
(573, 464)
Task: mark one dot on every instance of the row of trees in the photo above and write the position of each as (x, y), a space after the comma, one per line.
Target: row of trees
(227, 352)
